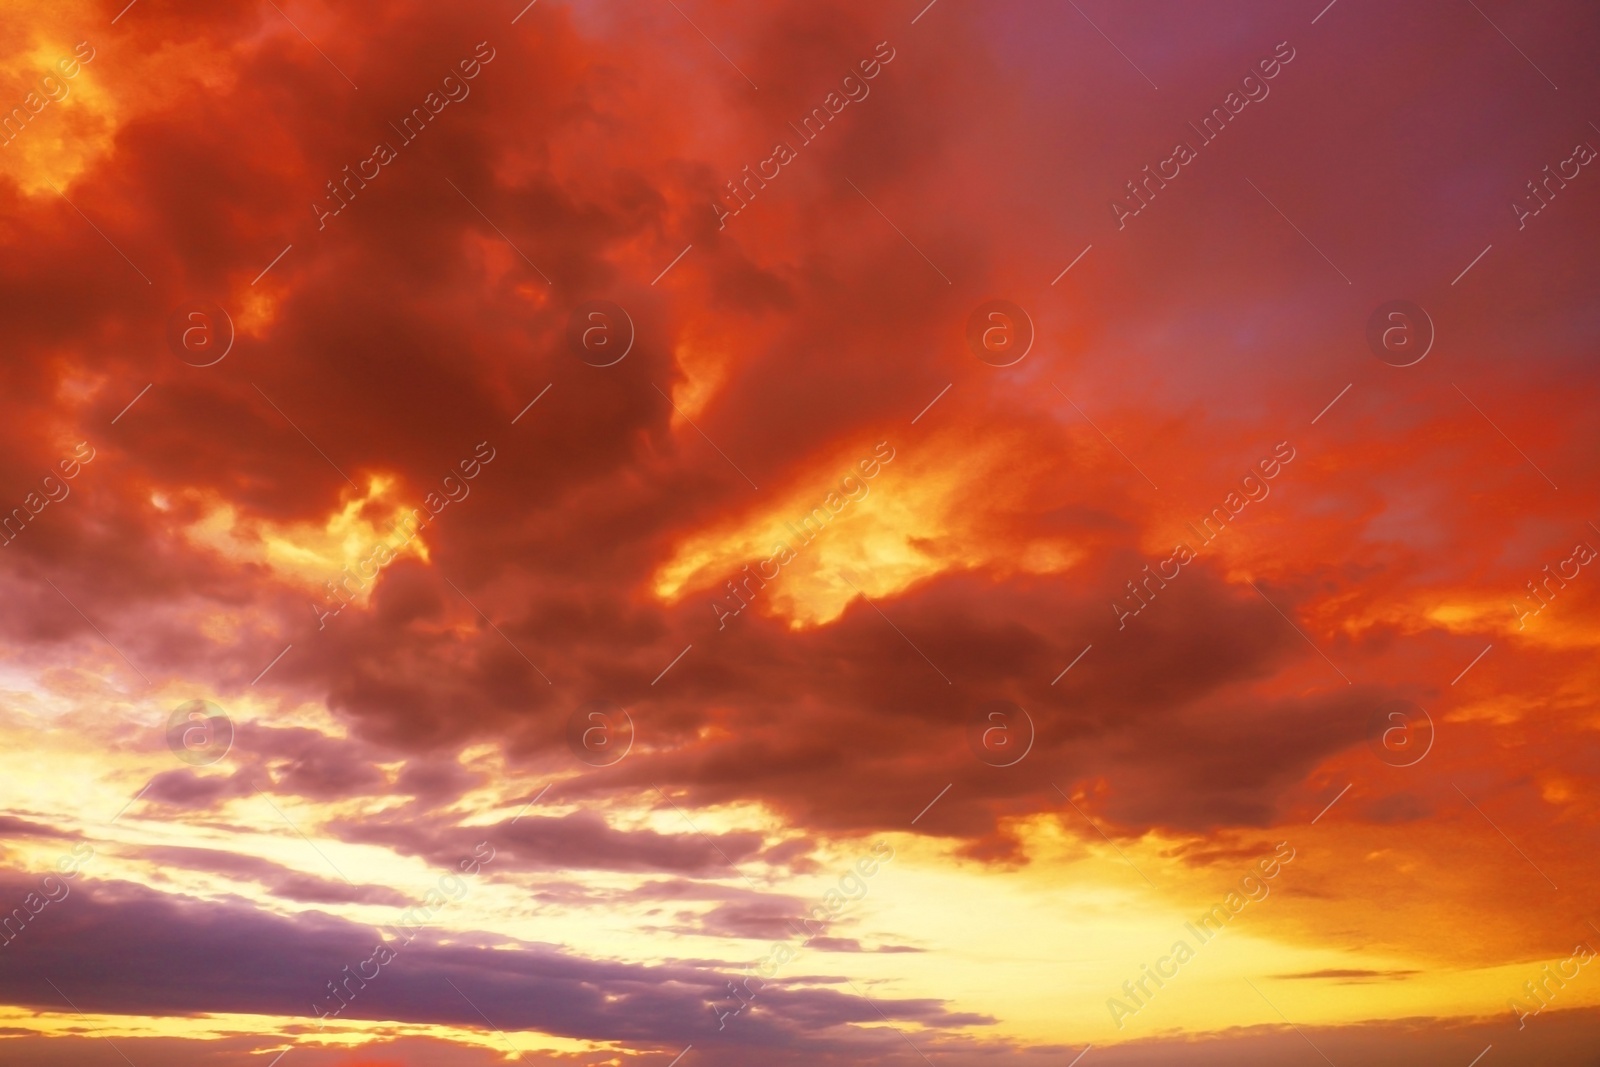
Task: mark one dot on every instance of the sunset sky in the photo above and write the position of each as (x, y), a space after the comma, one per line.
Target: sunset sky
(799, 533)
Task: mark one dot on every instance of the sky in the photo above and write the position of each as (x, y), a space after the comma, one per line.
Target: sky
(802, 533)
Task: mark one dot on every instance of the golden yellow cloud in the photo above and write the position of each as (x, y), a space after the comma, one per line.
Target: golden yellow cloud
(313, 552)
(875, 519)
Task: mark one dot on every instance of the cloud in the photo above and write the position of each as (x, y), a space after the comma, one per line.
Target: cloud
(200, 553)
(110, 936)
(281, 881)
(1352, 974)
